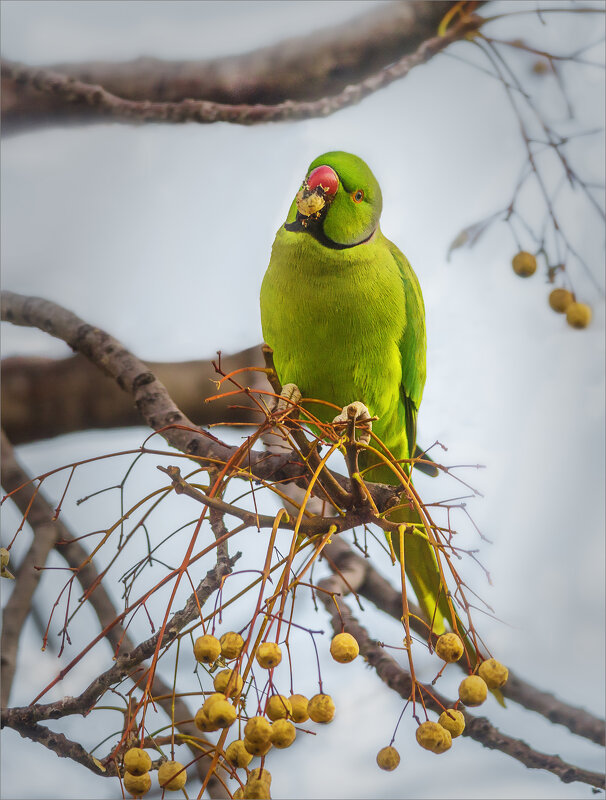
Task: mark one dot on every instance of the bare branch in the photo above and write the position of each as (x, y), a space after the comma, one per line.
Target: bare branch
(576, 720)
(105, 105)
(63, 747)
(45, 397)
(46, 531)
(310, 527)
(303, 68)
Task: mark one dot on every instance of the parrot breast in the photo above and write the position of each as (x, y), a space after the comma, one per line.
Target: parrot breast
(334, 319)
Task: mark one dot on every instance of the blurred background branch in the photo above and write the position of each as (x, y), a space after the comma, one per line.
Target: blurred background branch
(305, 68)
(46, 397)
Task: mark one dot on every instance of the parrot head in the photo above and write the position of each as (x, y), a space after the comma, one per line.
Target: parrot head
(339, 202)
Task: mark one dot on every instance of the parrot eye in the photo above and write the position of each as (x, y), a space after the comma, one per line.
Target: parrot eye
(357, 196)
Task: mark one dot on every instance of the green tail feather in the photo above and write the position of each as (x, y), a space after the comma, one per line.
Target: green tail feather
(428, 469)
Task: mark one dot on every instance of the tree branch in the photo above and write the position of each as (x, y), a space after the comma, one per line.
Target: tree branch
(40, 518)
(105, 105)
(303, 68)
(46, 531)
(478, 728)
(46, 397)
(383, 595)
(64, 747)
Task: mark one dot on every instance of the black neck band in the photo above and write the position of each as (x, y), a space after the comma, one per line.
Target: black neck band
(315, 229)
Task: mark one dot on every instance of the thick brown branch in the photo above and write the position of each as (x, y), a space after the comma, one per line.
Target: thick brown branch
(46, 531)
(575, 719)
(63, 747)
(302, 68)
(106, 105)
(150, 396)
(44, 397)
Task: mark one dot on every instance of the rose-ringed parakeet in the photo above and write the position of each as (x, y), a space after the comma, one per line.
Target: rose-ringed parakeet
(343, 312)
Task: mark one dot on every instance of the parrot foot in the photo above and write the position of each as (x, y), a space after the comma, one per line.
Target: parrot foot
(359, 414)
(289, 397)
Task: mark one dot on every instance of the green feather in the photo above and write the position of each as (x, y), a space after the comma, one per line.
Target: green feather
(343, 311)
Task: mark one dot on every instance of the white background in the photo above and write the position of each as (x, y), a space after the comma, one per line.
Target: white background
(161, 235)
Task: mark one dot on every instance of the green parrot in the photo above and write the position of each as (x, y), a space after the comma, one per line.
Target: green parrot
(343, 312)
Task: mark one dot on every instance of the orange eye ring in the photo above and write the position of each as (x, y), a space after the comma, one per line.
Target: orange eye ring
(357, 196)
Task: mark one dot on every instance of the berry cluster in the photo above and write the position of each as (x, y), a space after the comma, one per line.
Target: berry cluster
(473, 690)
(578, 315)
(137, 780)
(225, 707)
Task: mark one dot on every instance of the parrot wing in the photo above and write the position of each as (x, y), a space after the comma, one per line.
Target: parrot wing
(420, 560)
(413, 346)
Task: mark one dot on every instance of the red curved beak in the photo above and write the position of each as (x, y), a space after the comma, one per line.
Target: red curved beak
(325, 177)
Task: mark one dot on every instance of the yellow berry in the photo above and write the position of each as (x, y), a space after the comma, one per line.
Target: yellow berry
(137, 785)
(578, 315)
(211, 700)
(524, 264)
(260, 774)
(493, 673)
(298, 704)
(434, 737)
(473, 690)
(321, 708)
(453, 721)
(172, 776)
(239, 793)
(222, 713)
(344, 648)
(388, 758)
(237, 755)
(283, 733)
(269, 655)
(560, 299)
(231, 645)
(256, 790)
(278, 707)
(137, 761)
(257, 729)
(203, 723)
(222, 679)
(207, 649)
(449, 647)
(258, 784)
(4, 559)
(257, 748)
